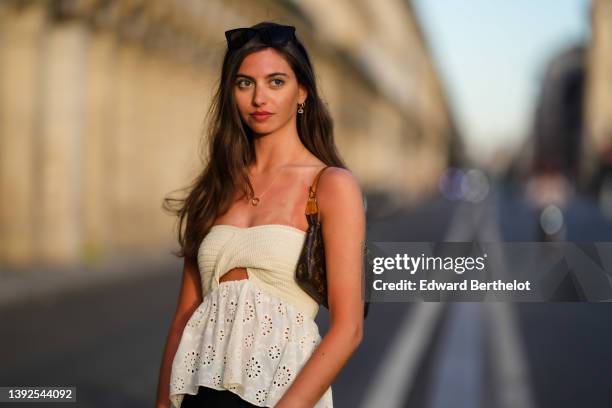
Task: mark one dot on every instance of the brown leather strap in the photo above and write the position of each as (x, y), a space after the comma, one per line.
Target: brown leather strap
(311, 205)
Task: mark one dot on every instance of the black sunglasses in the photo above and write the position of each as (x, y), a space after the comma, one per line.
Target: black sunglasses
(273, 35)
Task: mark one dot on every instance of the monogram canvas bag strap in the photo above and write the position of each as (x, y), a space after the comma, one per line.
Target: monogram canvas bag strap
(311, 205)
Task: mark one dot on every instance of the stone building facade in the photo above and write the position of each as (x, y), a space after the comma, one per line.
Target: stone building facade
(102, 105)
(597, 168)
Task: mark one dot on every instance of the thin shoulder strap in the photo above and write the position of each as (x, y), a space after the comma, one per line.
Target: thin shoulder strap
(311, 205)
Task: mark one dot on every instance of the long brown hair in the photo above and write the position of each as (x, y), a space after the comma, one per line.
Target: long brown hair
(230, 147)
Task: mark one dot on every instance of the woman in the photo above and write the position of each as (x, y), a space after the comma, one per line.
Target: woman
(244, 333)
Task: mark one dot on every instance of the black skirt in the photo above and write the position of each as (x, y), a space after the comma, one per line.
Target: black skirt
(209, 397)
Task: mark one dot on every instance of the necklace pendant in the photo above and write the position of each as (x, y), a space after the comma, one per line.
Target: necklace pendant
(254, 201)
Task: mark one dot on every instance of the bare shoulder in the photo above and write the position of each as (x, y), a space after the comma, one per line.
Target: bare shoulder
(339, 190)
(337, 178)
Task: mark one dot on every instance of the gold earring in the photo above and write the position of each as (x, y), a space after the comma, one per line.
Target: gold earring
(301, 109)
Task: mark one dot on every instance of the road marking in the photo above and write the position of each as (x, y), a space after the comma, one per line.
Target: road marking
(510, 372)
(395, 376)
(458, 367)
(397, 371)
(510, 368)
(459, 360)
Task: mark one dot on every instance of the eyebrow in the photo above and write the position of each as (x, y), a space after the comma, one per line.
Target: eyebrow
(267, 76)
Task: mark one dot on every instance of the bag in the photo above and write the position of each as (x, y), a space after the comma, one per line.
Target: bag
(310, 272)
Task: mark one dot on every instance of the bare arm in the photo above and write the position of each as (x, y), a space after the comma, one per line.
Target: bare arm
(190, 297)
(342, 218)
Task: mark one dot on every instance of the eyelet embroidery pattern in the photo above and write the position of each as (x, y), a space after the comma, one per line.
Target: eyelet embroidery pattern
(307, 340)
(266, 325)
(192, 360)
(284, 375)
(299, 319)
(178, 383)
(281, 309)
(209, 355)
(217, 380)
(259, 297)
(221, 336)
(248, 340)
(253, 367)
(213, 313)
(249, 312)
(231, 311)
(261, 395)
(274, 352)
(196, 318)
(245, 340)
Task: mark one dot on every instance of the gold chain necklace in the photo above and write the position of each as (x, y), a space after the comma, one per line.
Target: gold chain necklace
(256, 199)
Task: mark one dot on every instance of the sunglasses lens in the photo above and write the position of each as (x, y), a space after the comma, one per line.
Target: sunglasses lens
(278, 35)
(238, 37)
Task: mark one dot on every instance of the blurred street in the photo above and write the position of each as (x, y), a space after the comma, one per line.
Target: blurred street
(496, 132)
(107, 340)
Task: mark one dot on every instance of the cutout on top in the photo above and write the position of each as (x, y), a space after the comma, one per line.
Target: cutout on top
(238, 273)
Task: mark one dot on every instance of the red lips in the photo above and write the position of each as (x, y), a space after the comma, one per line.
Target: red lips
(261, 115)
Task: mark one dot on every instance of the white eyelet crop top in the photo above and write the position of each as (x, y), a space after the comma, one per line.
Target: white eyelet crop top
(249, 336)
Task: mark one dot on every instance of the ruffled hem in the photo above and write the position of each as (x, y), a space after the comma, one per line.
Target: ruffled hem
(244, 340)
(241, 394)
(194, 391)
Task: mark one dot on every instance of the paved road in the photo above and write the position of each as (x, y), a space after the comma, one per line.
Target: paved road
(567, 345)
(107, 340)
